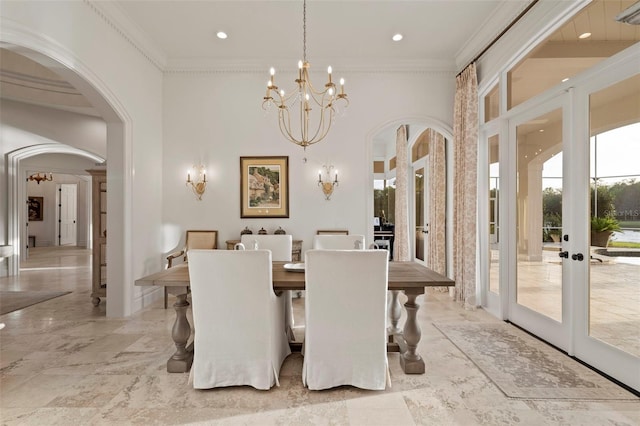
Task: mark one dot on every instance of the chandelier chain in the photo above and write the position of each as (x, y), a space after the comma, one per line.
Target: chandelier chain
(304, 31)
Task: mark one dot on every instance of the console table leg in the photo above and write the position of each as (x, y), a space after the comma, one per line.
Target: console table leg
(181, 360)
(410, 361)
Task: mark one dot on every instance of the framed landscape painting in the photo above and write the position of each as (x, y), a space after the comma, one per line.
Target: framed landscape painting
(264, 187)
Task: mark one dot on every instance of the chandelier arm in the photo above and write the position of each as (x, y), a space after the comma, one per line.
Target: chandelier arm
(285, 126)
(325, 125)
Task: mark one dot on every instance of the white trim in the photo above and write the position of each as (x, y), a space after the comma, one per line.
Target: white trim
(44, 50)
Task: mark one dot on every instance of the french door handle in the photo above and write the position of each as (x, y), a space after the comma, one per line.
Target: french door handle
(577, 256)
(564, 254)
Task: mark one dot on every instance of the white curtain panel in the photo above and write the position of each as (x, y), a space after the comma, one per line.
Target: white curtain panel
(465, 141)
(401, 250)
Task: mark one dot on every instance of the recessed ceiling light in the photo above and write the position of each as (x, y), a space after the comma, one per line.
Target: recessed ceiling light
(541, 130)
(565, 79)
(397, 37)
(221, 35)
(584, 35)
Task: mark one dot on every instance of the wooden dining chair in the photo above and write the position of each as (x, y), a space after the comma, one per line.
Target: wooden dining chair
(239, 320)
(339, 242)
(280, 246)
(194, 239)
(345, 319)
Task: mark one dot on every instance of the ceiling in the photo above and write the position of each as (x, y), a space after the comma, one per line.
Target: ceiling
(355, 34)
(347, 34)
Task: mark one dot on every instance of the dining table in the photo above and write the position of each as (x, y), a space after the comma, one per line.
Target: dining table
(410, 278)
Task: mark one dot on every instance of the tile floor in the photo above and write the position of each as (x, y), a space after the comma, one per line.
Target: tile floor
(63, 362)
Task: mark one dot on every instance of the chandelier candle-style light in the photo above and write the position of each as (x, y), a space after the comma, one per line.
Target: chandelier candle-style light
(38, 178)
(199, 182)
(295, 110)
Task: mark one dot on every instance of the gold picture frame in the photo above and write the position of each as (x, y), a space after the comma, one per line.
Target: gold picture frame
(264, 187)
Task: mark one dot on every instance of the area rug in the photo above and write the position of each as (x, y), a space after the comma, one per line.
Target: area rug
(13, 300)
(525, 367)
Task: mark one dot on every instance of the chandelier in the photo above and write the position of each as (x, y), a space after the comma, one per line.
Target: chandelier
(39, 178)
(295, 118)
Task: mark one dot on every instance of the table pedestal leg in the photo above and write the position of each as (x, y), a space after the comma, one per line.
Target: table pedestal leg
(181, 360)
(395, 310)
(410, 361)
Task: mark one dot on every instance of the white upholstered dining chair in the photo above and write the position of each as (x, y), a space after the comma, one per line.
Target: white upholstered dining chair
(239, 320)
(345, 319)
(280, 246)
(339, 242)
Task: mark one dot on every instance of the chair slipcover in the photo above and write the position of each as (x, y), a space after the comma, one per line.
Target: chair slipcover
(280, 246)
(239, 321)
(345, 312)
(339, 242)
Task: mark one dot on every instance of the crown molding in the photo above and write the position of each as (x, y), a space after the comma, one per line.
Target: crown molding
(120, 22)
(216, 66)
(501, 18)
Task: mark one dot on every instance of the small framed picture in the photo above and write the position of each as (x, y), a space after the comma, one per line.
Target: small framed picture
(35, 208)
(264, 187)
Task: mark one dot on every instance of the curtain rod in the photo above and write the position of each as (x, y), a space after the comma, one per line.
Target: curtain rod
(499, 36)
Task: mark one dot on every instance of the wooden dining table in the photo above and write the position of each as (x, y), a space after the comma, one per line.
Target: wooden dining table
(410, 278)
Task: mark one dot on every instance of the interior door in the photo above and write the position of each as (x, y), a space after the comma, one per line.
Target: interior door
(420, 211)
(538, 293)
(68, 214)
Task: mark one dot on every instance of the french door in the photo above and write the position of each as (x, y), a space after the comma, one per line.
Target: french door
(573, 158)
(607, 321)
(539, 289)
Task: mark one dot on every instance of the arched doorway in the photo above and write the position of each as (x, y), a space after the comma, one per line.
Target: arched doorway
(381, 148)
(118, 124)
(17, 186)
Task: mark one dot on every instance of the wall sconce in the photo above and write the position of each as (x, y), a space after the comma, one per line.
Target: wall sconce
(327, 184)
(39, 178)
(199, 182)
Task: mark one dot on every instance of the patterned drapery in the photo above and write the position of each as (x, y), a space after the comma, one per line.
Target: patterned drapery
(437, 203)
(401, 250)
(465, 141)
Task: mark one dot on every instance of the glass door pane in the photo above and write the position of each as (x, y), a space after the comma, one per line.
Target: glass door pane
(419, 203)
(614, 293)
(539, 174)
(494, 223)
